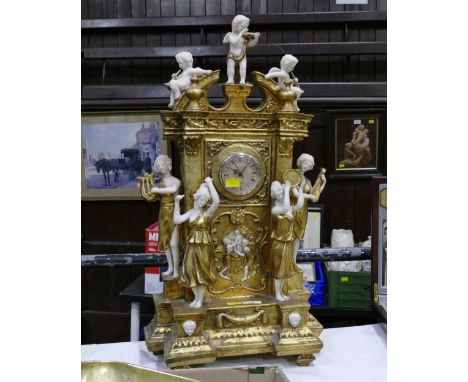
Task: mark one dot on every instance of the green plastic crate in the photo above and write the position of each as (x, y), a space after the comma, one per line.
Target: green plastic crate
(349, 289)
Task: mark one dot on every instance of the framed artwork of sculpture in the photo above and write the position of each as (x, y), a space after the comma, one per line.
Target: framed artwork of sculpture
(356, 142)
(116, 148)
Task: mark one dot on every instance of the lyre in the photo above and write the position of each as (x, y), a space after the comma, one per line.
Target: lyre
(146, 183)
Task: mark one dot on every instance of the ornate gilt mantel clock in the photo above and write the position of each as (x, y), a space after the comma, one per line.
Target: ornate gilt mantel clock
(243, 150)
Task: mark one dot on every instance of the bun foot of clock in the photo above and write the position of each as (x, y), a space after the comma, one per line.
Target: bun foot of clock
(304, 359)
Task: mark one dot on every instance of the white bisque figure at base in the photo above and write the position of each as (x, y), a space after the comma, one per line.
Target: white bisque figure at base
(198, 268)
(287, 63)
(183, 78)
(236, 245)
(281, 261)
(294, 319)
(239, 40)
(167, 188)
(189, 327)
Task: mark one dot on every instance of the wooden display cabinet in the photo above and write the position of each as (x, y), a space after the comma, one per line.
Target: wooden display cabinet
(379, 246)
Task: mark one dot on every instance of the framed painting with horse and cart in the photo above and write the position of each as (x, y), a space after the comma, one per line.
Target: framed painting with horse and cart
(116, 148)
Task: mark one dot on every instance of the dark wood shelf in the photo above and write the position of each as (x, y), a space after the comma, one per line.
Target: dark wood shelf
(261, 50)
(225, 21)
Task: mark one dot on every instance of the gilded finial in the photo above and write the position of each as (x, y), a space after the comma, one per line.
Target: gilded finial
(288, 97)
(194, 94)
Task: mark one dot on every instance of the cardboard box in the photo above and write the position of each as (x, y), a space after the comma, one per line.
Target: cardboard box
(153, 281)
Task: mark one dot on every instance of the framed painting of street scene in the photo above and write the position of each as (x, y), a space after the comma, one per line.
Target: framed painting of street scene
(115, 149)
(356, 142)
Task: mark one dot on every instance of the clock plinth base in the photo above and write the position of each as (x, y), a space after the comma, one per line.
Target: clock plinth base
(240, 328)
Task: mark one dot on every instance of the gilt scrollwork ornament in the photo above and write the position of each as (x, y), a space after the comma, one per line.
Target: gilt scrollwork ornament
(187, 342)
(171, 123)
(192, 144)
(237, 216)
(286, 146)
(243, 319)
(293, 124)
(195, 123)
(271, 105)
(215, 123)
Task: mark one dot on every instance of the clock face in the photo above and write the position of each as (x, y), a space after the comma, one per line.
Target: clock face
(239, 173)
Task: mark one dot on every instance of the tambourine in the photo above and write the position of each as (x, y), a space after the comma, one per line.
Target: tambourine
(294, 177)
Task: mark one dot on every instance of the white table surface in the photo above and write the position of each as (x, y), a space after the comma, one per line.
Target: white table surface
(357, 353)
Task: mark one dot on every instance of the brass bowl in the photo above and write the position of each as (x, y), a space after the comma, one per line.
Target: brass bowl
(110, 371)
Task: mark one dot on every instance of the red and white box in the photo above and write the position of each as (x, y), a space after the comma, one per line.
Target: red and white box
(152, 238)
(153, 281)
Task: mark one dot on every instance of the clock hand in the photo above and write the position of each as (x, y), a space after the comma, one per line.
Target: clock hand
(242, 172)
(238, 171)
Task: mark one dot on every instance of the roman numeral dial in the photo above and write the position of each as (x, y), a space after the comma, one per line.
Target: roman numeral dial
(240, 173)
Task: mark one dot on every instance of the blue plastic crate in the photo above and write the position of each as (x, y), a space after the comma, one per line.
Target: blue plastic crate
(317, 289)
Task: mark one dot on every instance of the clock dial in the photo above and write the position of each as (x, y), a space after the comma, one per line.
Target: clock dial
(240, 173)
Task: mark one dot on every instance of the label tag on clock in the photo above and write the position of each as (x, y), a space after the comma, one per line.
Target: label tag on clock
(232, 182)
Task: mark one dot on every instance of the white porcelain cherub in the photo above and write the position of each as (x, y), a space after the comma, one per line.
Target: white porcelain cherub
(239, 40)
(182, 79)
(236, 243)
(287, 63)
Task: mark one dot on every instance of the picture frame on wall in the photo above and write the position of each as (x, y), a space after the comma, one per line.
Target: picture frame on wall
(313, 237)
(356, 143)
(116, 147)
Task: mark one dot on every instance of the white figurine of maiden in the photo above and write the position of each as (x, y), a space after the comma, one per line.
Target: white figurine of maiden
(305, 163)
(167, 187)
(281, 263)
(183, 78)
(239, 40)
(198, 265)
(287, 63)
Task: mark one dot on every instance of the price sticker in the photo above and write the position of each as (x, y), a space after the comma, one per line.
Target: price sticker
(357, 121)
(344, 279)
(232, 182)
(371, 121)
(341, 165)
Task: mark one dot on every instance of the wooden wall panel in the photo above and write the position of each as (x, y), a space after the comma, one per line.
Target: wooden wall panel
(124, 10)
(305, 68)
(259, 7)
(153, 38)
(228, 7)
(321, 67)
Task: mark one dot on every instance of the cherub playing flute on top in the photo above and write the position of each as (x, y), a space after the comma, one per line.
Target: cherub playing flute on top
(287, 64)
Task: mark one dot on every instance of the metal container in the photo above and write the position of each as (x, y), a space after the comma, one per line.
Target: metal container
(110, 371)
